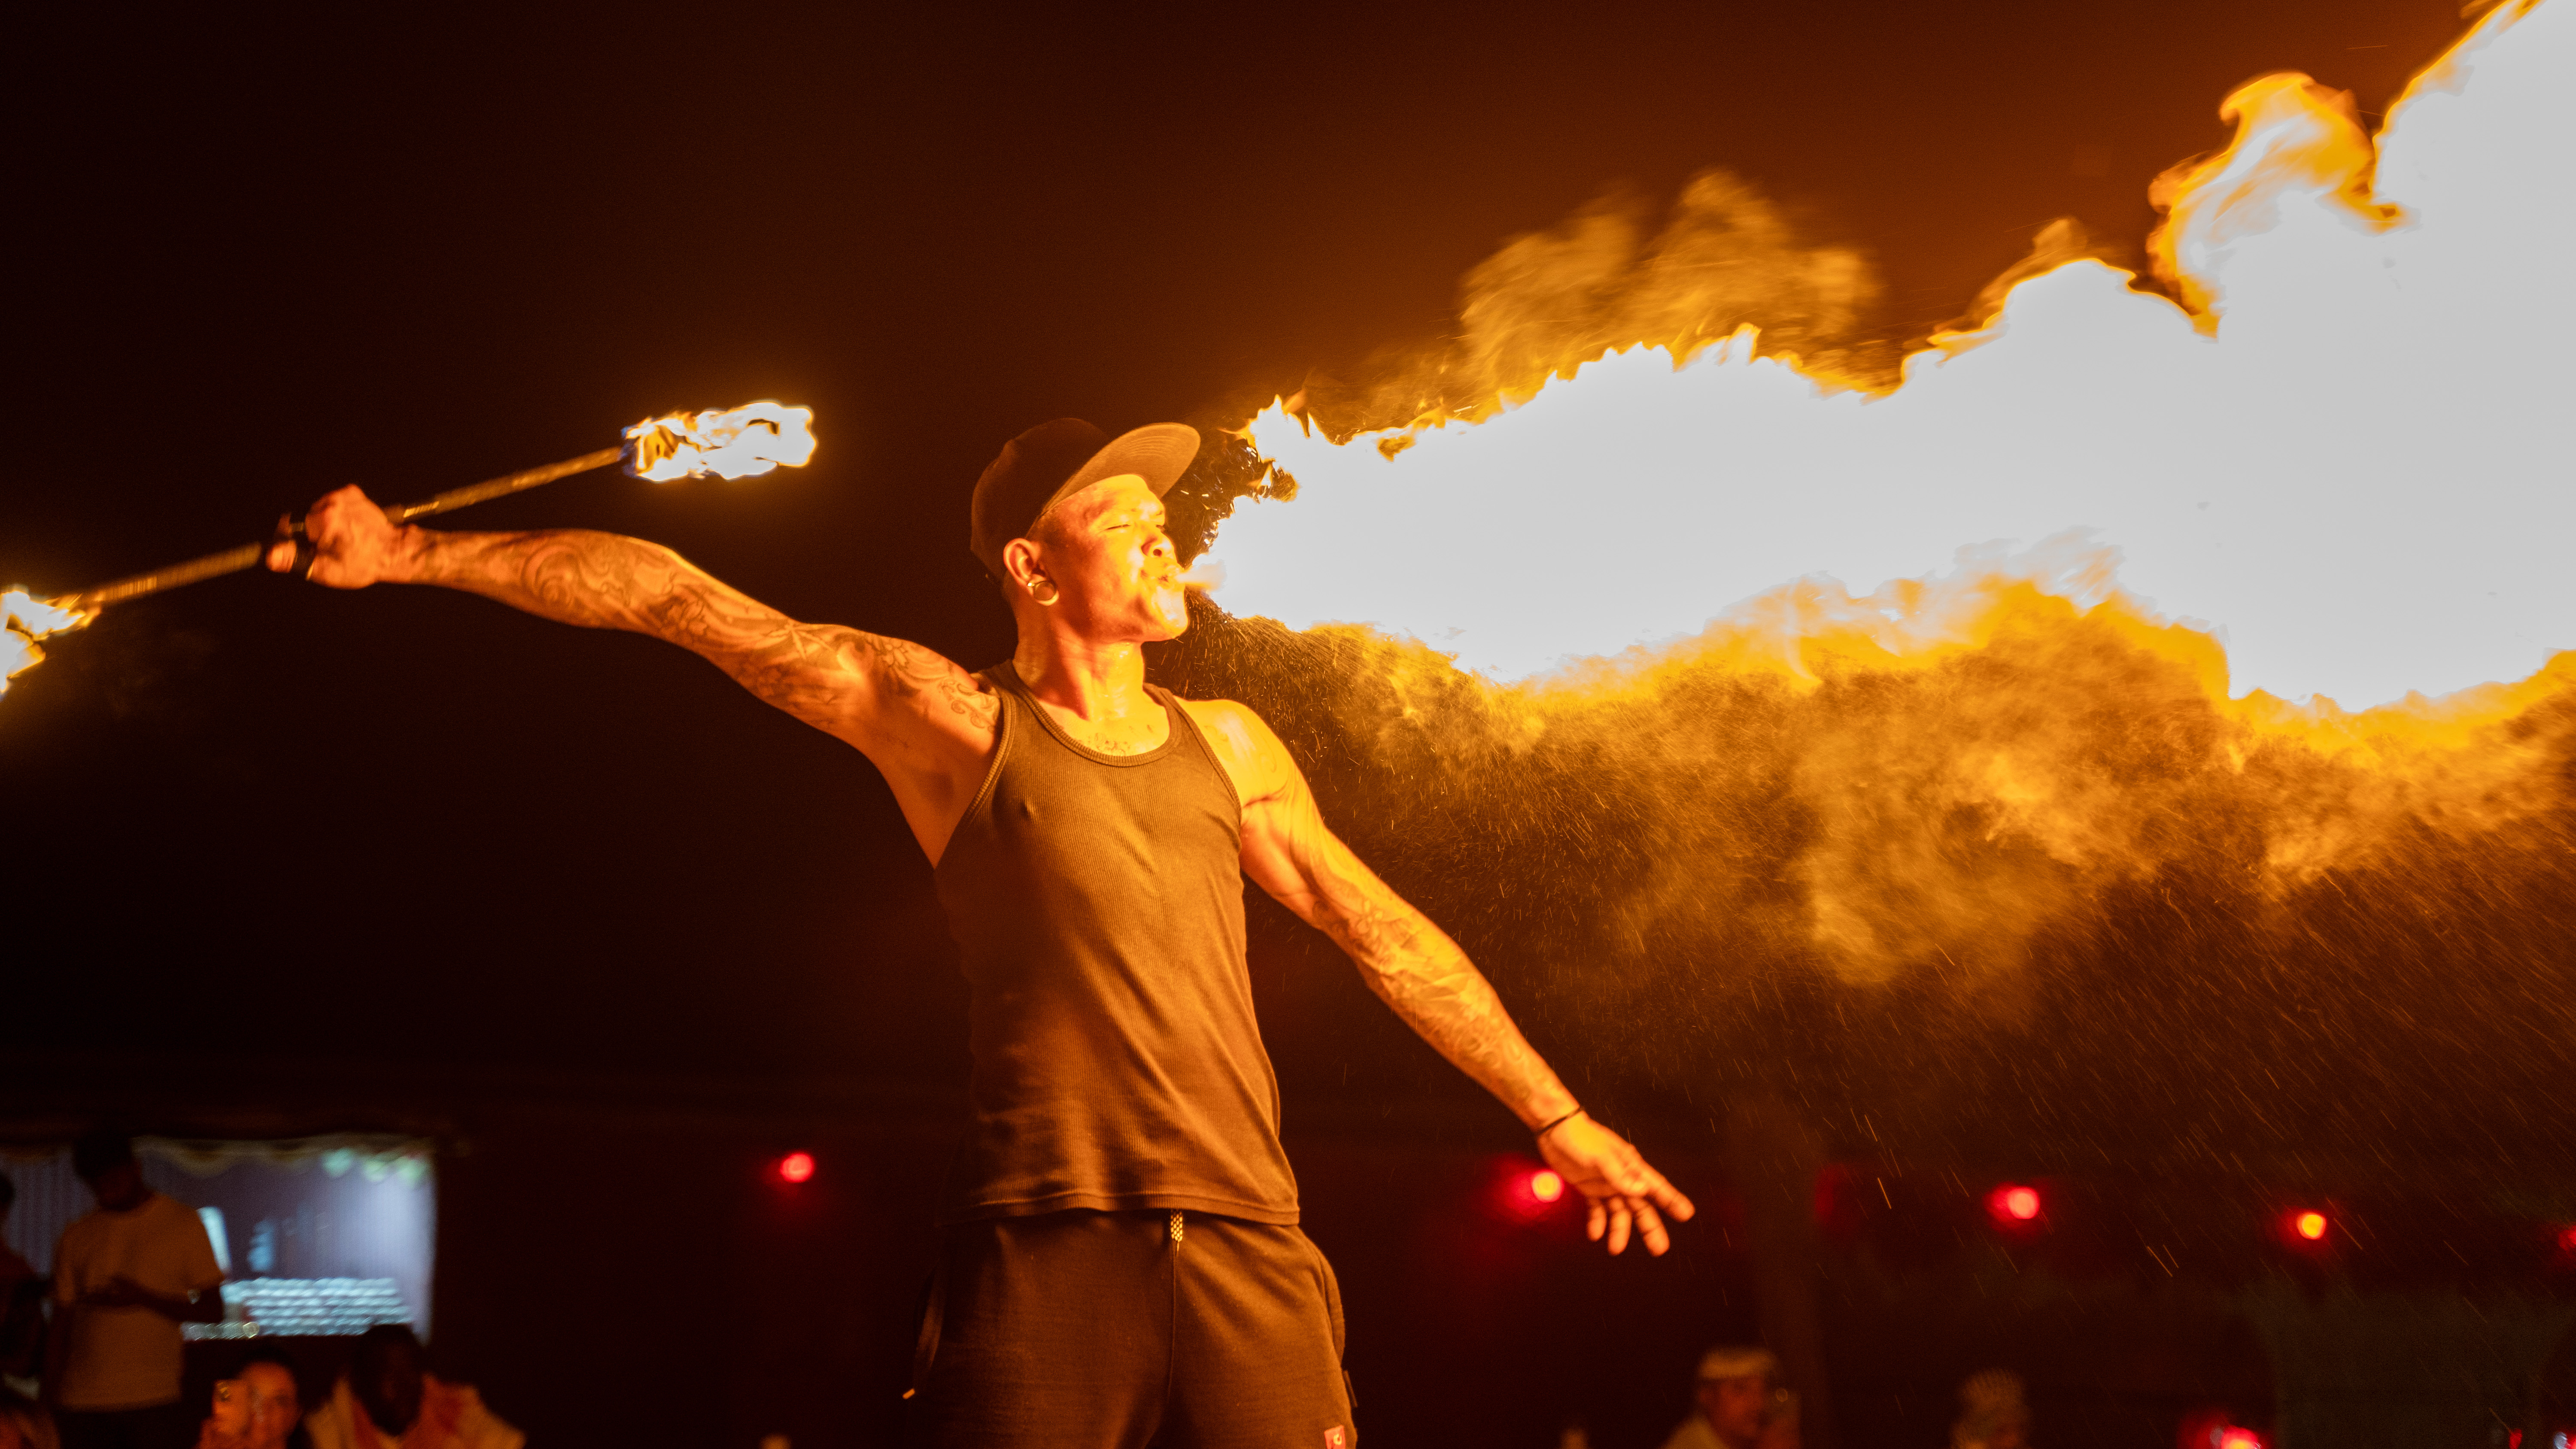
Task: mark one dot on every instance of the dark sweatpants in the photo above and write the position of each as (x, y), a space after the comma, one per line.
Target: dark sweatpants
(1095, 1330)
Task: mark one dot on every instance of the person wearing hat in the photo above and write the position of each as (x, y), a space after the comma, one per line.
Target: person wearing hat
(1738, 1403)
(1121, 1259)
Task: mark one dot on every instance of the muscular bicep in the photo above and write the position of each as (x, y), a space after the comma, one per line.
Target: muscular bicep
(1291, 853)
(1283, 832)
(1288, 850)
(873, 691)
(889, 697)
(1410, 963)
(924, 722)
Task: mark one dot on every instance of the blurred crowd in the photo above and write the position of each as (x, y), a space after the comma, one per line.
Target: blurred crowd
(1740, 1401)
(93, 1356)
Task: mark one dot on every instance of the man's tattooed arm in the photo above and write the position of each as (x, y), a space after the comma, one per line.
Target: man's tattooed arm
(1410, 963)
(840, 680)
(1415, 968)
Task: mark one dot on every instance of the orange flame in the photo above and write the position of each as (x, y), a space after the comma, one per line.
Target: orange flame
(1574, 590)
(2294, 138)
(745, 442)
(2379, 424)
(23, 621)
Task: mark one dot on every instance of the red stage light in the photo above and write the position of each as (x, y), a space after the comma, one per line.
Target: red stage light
(1546, 1186)
(2567, 1240)
(2216, 1429)
(796, 1167)
(2014, 1203)
(2310, 1225)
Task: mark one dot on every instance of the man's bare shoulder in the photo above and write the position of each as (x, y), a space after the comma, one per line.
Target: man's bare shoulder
(1231, 725)
(1245, 744)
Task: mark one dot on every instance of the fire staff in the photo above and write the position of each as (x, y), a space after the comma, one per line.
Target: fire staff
(1121, 1263)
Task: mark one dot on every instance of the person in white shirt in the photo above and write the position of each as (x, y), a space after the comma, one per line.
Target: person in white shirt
(125, 1277)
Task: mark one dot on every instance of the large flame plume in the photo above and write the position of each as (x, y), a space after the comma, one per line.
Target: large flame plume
(743, 442)
(2342, 446)
(2345, 448)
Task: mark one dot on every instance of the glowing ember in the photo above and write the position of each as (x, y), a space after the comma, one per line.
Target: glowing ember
(2013, 1202)
(743, 443)
(2347, 450)
(1546, 1185)
(2310, 1225)
(23, 621)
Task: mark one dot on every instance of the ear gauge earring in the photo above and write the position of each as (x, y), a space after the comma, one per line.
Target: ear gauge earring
(1049, 596)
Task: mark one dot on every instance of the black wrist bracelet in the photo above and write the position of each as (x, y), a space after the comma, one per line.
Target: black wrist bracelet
(1559, 1122)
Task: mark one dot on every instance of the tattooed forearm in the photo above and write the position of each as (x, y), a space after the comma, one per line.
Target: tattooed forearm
(821, 673)
(1418, 971)
(1410, 963)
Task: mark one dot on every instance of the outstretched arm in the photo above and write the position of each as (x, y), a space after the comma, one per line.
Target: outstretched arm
(1416, 969)
(908, 708)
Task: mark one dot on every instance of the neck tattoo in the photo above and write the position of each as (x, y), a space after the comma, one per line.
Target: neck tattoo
(1109, 746)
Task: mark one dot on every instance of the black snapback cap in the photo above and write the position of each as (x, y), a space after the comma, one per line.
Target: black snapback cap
(1053, 461)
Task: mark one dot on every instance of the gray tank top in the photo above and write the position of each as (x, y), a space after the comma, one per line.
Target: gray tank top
(1097, 901)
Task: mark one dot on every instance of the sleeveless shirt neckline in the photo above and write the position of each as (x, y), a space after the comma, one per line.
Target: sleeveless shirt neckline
(1172, 723)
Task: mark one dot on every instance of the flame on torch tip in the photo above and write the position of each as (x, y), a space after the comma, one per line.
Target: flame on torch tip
(25, 619)
(742, 443)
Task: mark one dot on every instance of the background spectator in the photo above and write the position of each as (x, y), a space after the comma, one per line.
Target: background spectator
(125, 1277)
(261, 1407)
(1992, 1413)
(24, 1424)
(388, 1400)
(22, 1307)
(1740, 1403)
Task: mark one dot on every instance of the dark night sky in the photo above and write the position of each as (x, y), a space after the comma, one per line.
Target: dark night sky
(256, 256)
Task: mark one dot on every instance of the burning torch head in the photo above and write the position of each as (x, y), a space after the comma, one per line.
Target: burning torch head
(23, 621)
(742, 443)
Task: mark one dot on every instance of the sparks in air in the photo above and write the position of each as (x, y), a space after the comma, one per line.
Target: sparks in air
(743, 442)
(2340, 446)
(23, 621)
